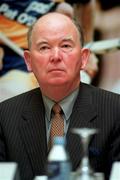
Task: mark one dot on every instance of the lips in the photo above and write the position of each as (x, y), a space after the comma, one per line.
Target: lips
(55, 69)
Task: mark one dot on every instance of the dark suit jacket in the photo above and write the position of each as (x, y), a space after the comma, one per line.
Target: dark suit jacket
(23, 134)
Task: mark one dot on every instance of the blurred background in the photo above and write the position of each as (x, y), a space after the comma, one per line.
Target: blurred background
(101, 27)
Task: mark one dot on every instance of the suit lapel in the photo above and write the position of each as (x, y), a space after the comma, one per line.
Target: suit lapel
(82, 116)
(33, 133)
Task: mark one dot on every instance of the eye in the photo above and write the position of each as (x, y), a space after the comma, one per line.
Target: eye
(66, 47)
(44, 48)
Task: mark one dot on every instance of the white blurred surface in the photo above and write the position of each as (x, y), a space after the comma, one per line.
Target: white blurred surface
(40, 178)
(85, 77)
(8, 171)
(99, 176)
(115, 172)
(104, 46)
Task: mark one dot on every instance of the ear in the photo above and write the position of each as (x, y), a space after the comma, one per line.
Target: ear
(27, 59)
(85, 54)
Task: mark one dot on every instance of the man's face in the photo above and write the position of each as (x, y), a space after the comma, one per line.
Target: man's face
(56, 57)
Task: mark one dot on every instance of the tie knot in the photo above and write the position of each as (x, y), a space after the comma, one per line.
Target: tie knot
(56, 108)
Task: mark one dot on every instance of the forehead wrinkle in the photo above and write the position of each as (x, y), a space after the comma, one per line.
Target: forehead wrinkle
(67, 38)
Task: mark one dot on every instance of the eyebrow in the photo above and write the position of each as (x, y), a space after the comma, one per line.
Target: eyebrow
(69, 38)
(64, 39)
(41, 42)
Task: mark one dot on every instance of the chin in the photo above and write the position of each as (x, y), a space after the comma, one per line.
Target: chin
(57, 82)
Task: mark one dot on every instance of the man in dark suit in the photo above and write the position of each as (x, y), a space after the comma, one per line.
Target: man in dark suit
(56, 57)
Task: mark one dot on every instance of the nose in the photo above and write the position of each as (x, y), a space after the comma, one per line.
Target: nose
(56, 54)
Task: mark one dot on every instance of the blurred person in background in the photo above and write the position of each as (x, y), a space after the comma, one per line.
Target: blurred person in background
(107, 22)
(65, 8)
(84, 12)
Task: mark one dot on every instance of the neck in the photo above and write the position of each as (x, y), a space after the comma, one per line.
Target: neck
(57, 93)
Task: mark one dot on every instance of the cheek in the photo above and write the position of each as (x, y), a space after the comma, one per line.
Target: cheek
(73, 62)
(38, 63)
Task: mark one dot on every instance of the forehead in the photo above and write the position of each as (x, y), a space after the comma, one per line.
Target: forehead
(55, 26)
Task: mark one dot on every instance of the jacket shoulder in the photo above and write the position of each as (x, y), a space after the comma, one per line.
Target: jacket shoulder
(100, 94)
(21, 99)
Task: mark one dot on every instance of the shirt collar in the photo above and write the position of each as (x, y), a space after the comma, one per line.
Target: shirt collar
(66, 104)
(48, 106)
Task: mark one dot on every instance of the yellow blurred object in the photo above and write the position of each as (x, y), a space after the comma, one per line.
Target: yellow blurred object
(16, 82)
(58, 1)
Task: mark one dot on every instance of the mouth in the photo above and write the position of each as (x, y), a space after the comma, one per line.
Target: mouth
(55, 70)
